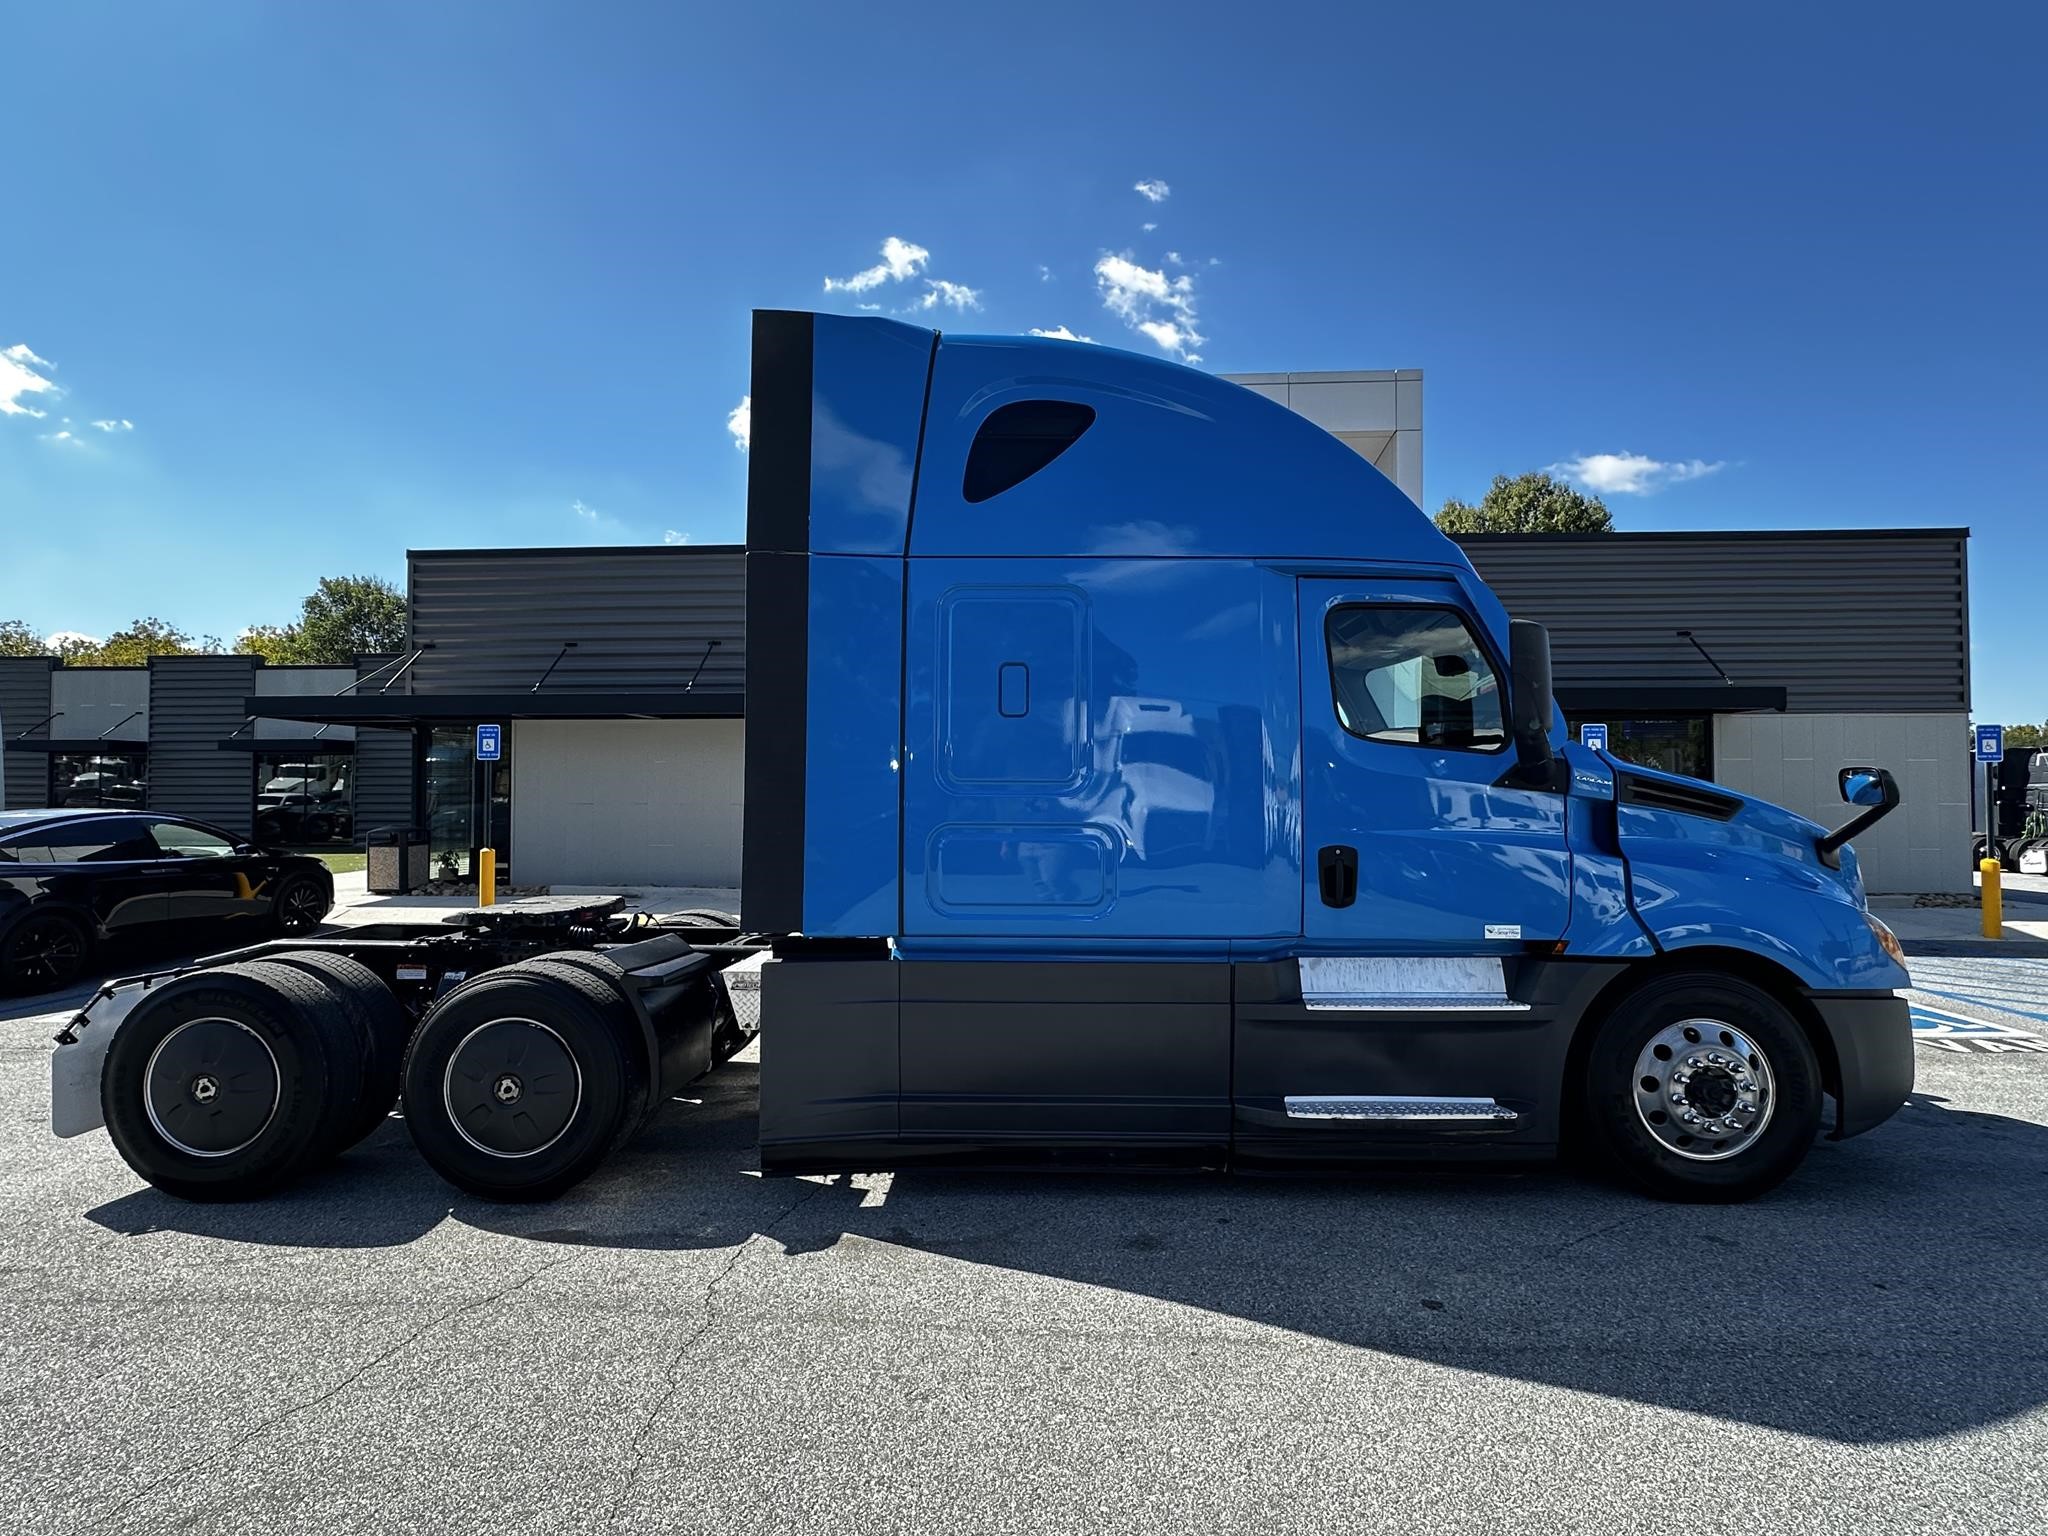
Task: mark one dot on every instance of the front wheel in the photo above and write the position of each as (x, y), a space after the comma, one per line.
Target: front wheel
(1703, 1087)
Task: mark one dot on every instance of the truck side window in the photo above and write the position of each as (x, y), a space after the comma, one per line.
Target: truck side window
(1415, 676)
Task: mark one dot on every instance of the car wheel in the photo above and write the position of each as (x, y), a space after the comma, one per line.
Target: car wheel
(299, 907)
(379, 1021)
(1702, 1087)
(44, 952)
(227, 1083)
(519, 1083)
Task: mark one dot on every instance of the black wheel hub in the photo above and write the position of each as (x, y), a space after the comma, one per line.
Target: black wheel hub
(512, 1088)
(211, 1087)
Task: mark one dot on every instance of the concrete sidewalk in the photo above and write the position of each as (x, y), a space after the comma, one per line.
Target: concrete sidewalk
(1959, 930)
(355, 906)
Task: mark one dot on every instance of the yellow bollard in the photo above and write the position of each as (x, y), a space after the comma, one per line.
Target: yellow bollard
(1994, 901)
(486, 876)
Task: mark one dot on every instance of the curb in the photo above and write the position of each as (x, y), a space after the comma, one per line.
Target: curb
(2011, 949)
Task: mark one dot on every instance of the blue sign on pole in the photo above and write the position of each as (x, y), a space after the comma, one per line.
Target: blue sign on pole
(1990, 743)
(1594, 736)
(489, 743)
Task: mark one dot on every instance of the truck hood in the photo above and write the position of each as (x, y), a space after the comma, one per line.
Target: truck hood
(1710, 867)
(1650, 803)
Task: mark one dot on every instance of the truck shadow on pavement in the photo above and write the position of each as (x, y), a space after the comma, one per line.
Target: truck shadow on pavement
(1891, 1291)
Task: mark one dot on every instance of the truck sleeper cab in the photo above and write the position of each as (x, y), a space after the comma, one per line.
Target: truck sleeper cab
(1135, 774)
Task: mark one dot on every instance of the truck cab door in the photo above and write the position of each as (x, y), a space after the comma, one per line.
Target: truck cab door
(1413, 841)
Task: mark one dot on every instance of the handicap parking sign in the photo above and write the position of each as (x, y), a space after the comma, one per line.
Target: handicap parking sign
(1594, 736)
(1990, 743)
(489, 743)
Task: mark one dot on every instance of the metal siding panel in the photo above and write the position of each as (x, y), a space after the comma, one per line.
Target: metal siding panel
(383, 771)
(24, 700)
(1871, 624)
(195, 703)
(641, 618)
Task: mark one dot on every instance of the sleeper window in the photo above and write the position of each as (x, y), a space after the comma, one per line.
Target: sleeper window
(1415, 676)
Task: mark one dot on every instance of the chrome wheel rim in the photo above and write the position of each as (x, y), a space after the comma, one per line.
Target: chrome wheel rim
(512, 1088)
(1703, 1090)
(211, 1087)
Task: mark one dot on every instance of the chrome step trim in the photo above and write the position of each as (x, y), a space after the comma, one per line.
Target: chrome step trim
(1384, 1106)
(1406, 984)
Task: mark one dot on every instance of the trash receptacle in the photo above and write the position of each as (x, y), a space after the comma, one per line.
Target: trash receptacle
(397, 860)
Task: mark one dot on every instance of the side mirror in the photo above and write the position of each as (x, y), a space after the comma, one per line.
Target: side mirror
(1877, 792)
(1869, 786)
(1530, 704)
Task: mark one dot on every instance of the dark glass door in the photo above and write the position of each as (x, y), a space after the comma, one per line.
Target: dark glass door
(468, 803)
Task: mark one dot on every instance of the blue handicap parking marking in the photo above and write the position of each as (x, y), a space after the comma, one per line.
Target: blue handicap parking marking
(1991, 1007)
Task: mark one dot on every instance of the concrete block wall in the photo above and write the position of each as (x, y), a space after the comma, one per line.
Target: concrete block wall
(1793, 760)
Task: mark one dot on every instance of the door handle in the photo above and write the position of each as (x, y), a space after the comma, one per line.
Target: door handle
(1337, 874)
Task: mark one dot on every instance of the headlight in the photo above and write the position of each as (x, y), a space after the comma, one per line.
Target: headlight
(1886, 939)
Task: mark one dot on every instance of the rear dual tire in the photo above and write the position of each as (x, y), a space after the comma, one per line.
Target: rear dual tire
(518, 1084)
(230, 1082)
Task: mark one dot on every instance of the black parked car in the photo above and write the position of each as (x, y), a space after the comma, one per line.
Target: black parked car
(72, 881)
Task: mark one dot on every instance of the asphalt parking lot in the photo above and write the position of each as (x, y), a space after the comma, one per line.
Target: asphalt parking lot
(682, 1345)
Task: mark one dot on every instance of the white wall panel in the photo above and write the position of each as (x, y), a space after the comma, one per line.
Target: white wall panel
(1793, 760)
(627, 802)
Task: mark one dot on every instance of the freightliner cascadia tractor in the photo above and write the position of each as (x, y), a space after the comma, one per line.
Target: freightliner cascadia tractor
(1134, 777)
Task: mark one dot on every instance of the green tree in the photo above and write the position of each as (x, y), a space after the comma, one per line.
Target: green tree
(342, 618)
(133, 646)
(350, 616)
(2035, 736)
(18, 639)
(277, 644)
(1531, 503)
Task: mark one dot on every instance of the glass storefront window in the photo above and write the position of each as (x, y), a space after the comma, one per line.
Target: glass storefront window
(468, 803)
(305, 799)
(1680, 744)
(115, 780)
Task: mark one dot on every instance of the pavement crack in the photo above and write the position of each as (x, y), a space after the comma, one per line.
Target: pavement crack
(263, 1427)
(708, 1300)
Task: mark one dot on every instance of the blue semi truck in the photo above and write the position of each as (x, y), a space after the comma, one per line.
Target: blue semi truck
(1134, 776)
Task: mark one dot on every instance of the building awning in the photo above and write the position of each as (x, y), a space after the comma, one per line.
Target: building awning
(397, 711)
(86, 744)
(1649, 699)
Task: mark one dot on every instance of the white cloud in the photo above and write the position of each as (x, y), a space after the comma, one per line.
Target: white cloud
(672, 536)
(1148, 226)
(1632, 474)
(870, 308)
(1060, 333)
(954, 295)
(900, 259)
(1174, 257)
(1153, 190)
(1044, 273)
(739, 421)
(1152, 304)
(72, 637)
(64, 438)
(19, 378)
(123, 424)
(583, 513)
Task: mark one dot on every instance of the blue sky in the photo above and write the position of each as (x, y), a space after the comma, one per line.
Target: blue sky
(343, 280)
